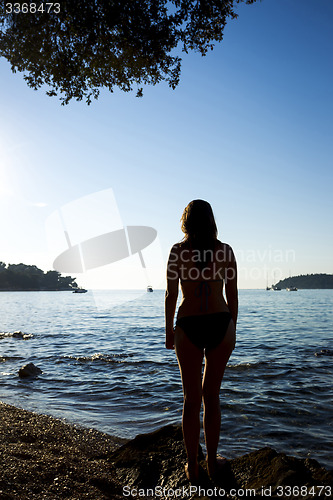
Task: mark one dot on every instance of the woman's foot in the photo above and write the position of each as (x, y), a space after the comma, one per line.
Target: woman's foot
(216, 466)
(192, 472)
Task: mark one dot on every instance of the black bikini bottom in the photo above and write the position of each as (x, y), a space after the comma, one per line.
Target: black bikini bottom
(205, 331)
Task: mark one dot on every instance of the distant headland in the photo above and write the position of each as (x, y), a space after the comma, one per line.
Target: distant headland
(307, 281)
(22, 277)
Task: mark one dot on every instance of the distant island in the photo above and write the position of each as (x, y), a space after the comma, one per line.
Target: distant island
(21, 277)
(307, 281)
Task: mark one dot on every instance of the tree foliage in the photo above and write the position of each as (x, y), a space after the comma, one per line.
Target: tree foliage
(91, 44)
(304, 281)
(24, 277)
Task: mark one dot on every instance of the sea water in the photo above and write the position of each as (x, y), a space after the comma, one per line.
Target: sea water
(106, 366)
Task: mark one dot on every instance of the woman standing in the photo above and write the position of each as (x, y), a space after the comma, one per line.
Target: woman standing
(205, 326)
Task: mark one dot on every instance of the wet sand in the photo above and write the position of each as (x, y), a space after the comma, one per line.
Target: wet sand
(43, 457)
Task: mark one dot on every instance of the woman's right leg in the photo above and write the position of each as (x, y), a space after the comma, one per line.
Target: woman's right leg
(216, 361)
(190, 360)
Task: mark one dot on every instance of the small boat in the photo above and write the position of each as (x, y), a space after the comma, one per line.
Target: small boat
(291, 289)
(80, 290)
(149, 288)
(267, 287)
(276, 288)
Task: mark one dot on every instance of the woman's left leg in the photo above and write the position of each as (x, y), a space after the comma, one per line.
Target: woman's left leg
(190, 360)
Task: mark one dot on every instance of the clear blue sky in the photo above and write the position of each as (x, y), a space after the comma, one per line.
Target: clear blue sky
(249, 129)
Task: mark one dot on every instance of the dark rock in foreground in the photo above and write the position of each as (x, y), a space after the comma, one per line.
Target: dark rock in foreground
(277, 472)
(42, 457)
(324, 352)
(156, 462)
(151, 460)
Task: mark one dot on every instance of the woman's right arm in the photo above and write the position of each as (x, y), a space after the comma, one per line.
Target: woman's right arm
(171, 296)
(231, 290)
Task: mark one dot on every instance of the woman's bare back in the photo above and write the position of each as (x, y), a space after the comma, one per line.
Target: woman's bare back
(202, 286)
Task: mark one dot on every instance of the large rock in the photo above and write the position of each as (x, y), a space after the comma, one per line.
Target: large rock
(29, 370)
(276, 472)
(157, 460)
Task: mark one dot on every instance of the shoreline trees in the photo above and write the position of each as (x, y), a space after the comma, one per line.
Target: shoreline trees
(23, 277)
(308, 281)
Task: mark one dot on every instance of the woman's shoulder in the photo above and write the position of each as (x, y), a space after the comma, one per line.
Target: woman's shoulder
(175, 250)
(220, 245)
(225, 249)
(176, 247)
(181, 245)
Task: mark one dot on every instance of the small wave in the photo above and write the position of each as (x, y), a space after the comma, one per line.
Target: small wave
(144, 329)
(248, 366)
(150, 365)
(106, 358)
(17, 335)
(3, 359)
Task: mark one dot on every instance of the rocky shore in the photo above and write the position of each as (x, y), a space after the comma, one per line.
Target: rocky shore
(44, 458)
